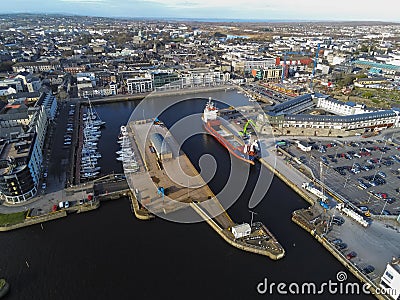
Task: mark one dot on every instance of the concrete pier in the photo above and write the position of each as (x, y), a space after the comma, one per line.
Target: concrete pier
(185, 188)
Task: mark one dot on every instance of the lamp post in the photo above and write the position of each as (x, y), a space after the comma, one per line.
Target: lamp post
(252, 216)
(383, 207)
(347, 178)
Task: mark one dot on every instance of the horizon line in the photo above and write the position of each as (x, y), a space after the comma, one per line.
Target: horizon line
(202, 19)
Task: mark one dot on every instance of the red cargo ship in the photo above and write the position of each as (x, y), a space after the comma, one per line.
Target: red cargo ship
(227, 135)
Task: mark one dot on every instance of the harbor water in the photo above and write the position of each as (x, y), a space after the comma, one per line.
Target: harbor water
(108, 254)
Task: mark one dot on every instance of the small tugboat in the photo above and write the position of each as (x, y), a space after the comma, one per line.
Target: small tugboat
(4, 287)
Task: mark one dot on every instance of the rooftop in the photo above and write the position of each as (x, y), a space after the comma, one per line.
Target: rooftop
(377, 65)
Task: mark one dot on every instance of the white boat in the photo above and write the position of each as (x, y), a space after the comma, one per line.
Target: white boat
(89, 174)
(98, 122)
(125, 151)
(90, 169)
(91, 155)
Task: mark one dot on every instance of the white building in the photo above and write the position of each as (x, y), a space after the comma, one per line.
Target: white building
(273, 73)
(39, 126)
(96, 92)
(203, 77)
(258, 64)
(140, 84)
(8, 91)
(21, 156)
(15, 83)
(50, 104)
(84, 84)
(341, 108)
(85, 77)
(241, 230)
(390, 280)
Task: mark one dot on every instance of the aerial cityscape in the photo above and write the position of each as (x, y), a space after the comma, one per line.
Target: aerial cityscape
(179, 153)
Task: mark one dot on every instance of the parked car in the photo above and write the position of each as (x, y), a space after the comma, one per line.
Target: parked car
(380, 173)
(390, 200)
(66, 204)
(365, 210)
(341, 246)
(351, 255)
(368, 269)
(336, 241)
(337, 220)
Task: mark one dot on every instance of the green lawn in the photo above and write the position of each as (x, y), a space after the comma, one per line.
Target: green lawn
(13, 218)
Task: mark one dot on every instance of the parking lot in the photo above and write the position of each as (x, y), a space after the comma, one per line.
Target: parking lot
(365, 172)
(365, 247)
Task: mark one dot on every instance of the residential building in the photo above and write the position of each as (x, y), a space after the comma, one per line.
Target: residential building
(35, 67)
(140, 84)
(21, 155)
(341, 108)
(49, 102)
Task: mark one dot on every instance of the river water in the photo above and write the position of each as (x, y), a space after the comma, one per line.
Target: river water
(108, 254)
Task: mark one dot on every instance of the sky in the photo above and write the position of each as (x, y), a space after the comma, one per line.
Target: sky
(356, 10)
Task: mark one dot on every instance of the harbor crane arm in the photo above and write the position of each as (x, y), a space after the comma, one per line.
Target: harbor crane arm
(244, 132)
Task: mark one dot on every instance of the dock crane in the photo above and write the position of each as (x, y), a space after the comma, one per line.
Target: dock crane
(244, 132)
(315, 66)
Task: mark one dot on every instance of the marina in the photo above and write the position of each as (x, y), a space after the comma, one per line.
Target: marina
(91, 135)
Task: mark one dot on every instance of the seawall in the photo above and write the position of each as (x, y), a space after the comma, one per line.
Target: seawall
(140, 213)
(342, 259)
(286, 180)
(35, 220)
(160, 93)
(339, 256)
(230, 240)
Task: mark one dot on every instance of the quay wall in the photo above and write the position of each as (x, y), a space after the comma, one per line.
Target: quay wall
(50, 216)
(144, 216)
(294, 187)
(342, 259)
(339, 256)
(86, 208)
(162, 93)
(35, 220)
(232, 242)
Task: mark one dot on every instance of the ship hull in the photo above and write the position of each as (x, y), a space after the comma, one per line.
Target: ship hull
(231, 148)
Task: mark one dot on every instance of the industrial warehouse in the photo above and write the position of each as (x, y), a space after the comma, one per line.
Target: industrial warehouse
(320, 115)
